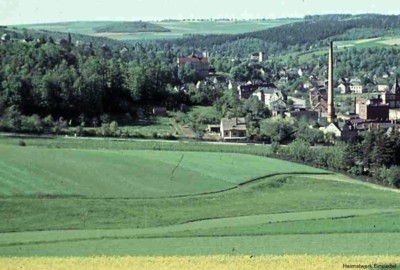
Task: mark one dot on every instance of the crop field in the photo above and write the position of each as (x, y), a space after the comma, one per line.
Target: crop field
(381, 42)
(201, 262)
(177, 29)
(92, 203)
(370, 43)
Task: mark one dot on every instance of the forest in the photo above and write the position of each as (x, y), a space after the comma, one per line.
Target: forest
(312, 33)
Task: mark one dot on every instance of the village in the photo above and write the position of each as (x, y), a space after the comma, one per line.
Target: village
(379, 110)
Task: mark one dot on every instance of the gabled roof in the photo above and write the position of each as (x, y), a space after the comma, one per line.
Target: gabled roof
(236, 123)
(335, 126)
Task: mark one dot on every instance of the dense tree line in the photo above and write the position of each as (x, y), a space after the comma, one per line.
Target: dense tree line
(375, 154)
(67, 82)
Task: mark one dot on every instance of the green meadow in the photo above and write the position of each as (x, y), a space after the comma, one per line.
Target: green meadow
(89, 197)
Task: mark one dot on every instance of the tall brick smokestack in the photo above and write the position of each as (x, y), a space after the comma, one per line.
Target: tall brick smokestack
(331, 104)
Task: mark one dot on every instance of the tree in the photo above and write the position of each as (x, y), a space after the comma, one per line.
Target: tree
(308, 134)
(277, 129)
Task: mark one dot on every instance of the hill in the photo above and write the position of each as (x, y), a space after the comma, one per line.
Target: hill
(158, 30)
(57, 205)
(130, 27)
(305, 35)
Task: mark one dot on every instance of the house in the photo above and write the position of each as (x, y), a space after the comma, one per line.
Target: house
(124, 51)
(344, 88)
(214, 129)
(392, 97)
(394, 115)
(246, 90)
(373, 125)
(233, 128)
(5, 37)
(302, 114)
(383, 87)
(356, 86)
(298, 103)
(372, 109)
(259, 56)
(343, 130)
(198, 63)
(278, 107)
(275, 100)
(347, 116)
(318, 100)
(265, 92)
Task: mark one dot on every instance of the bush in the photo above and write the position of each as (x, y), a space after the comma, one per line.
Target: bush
(169, 136)
(32, 124)
(391, 175)
(275, 146)
(299, 150)
(11, 120)
(114, 128)
(60, 125)
(48, 122)
(105, 130)
(79, 130)
(22, 143)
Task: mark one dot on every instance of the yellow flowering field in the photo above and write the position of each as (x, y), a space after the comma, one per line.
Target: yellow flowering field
(201, 263)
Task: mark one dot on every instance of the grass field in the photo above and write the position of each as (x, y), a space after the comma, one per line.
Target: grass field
(95, 197)
(177, 29)
(382, 42)
(370, 43)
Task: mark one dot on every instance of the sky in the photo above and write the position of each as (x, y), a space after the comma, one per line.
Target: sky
(41, 11)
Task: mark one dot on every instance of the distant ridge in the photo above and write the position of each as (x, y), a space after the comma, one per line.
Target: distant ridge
(130, 27)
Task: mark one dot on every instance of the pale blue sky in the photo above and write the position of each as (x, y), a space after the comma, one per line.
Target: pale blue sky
(38, 11)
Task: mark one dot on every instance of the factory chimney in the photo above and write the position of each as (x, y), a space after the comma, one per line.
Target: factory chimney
(331, 105)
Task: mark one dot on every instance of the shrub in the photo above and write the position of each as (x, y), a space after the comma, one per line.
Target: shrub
(48, 122)
(60, 125)
(105, 130)
(169, 136)
(299, 150)
(11, 120)
(22, 143)
(391, 175)
(79, 130)
(114, 128)
(32, 124)
(275, 147)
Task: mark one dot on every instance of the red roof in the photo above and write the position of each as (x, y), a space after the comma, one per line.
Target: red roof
(192, 60)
